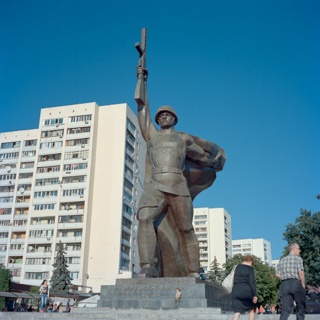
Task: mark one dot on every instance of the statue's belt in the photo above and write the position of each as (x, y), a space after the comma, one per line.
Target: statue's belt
(166, 170)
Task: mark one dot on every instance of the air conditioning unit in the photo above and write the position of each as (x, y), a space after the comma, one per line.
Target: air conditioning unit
(86, 121)
(84, 158)
(57, 124)
(1, 160)
(81, 195)
(10, 182)
(48, 238)
(83, 145)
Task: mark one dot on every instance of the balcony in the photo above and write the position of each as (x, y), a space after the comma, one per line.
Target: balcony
(42, 240)
(6, 205)
(125, 242)
(44, 175)
(48, 226)
(19, 228)
(70, 212)
(37, 267)
(48, 163)
(22, 204)
(3, 240)
(69, 239)
(49, 151)
(16, 252)
(39, 254)
(18, 240)
(74, 136)
(71, 225)
(80, 172)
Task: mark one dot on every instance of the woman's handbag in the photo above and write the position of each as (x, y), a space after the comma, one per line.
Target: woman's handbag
(227, 283)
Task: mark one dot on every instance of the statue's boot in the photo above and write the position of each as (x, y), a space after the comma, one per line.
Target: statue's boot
(149, 271)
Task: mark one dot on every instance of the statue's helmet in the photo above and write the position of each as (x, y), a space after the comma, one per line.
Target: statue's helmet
(166, 109)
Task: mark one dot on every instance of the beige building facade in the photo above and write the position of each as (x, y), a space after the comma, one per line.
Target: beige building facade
(213, 230)
(76, 179)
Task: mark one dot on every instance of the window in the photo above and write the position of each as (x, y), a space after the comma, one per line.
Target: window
(6, 199)
(74, 275)
(131, 125)
(127, 196)
(78, 130)
(76, 166)
(236, 246)
(73, 192)
(129, 148)
(73, 260)
(50, 157)
(128, 184)
(8, 145)
(76, 155)
(128, 172)
(22, 211)
(38, 207)
(200, 222)
(6, 188)
(8, 177)
(86, 117)
(27, 175)
(48, 169)
(10, 155)
(46, 182)
(70, 219)
(38, 261)
(5, 211)
(29, 143)
(200, 217)
(37, 275)
(77, 233)
(54, 133)
(126, 222)
(130, 137)
(127, 209)
(40, 233)
(4, 235)
(52, 122)
(25, 165)
(72, 206)
(46, 194)
(31, 153)
(50, 145)
(124, 263)
(77, 142)
(129, 159)
(4, 223)
(76, 179)
(25, 186)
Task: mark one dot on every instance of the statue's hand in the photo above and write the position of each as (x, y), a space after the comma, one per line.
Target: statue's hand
(144, 71)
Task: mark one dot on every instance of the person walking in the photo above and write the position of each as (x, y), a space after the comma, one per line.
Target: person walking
(44, 294)
(291, 273)
(178, 297)
(244, 293)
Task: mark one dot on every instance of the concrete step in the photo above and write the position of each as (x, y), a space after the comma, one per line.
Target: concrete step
(117, 314)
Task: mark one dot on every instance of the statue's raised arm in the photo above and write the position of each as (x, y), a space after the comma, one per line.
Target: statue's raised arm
(141, 95)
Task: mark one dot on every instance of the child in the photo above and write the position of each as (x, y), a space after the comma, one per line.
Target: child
(178, 298)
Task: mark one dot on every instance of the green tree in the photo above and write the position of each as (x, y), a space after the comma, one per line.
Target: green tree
(306, 232)
(60, 280)
(216, 272)
(4, 284)
(267, 283)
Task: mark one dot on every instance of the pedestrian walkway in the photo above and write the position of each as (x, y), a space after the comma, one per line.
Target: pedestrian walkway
(117, 314)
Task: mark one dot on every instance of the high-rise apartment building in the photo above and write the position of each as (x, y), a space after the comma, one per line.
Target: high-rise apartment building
(76, 179)
(213, 230)
(258, 247)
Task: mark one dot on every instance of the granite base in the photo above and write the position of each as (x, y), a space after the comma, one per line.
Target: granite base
(159, 293)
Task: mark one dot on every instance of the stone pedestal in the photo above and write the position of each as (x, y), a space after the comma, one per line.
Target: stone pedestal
(156, 293)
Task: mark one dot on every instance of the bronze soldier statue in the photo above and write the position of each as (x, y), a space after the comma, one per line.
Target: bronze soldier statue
(178, 167)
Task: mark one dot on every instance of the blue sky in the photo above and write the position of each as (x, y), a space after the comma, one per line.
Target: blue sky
(242, 74)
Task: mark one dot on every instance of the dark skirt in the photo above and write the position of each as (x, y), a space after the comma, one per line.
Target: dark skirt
(242, 297)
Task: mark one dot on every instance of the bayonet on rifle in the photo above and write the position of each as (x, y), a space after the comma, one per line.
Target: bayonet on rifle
(140, 94)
